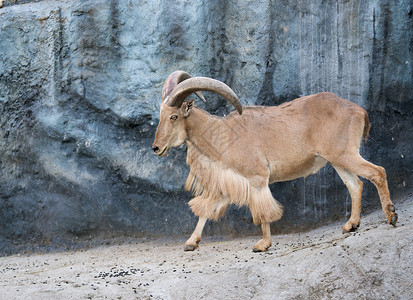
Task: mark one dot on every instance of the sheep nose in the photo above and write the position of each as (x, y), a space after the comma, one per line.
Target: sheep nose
(155, 149)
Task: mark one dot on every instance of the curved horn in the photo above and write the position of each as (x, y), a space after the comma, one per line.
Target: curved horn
(191, 85)
(172, 81)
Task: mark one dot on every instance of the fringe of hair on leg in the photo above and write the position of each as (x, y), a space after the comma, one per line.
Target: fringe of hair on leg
(211, 208)
(264, 208)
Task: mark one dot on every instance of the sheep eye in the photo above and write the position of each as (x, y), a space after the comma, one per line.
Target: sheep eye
(174, 117)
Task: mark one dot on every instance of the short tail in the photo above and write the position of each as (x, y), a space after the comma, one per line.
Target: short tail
(366, 126)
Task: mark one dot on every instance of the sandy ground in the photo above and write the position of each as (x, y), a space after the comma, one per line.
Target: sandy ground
(374, 263)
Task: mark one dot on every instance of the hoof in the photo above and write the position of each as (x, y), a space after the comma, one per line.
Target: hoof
(353, 228)
(258, 250)
(190, 247)
(393, 220)
(262, 246)
(392, 208)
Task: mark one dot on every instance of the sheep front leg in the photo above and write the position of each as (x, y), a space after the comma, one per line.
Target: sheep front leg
(195, 238)
(266, 240)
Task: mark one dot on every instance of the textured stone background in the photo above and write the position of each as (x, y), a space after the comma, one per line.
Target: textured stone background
(80, 85)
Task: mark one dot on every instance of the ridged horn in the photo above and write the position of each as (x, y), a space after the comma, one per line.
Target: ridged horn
(172, 81)
(192, 85)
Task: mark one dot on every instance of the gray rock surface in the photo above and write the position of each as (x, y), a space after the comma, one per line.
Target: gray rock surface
(80, 85)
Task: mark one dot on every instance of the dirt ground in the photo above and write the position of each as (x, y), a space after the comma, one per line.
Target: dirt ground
(374, 263)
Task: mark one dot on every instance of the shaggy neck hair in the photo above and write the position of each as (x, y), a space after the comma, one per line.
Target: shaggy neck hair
(212, 182)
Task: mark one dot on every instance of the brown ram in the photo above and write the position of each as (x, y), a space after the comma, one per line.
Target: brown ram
(233, 159)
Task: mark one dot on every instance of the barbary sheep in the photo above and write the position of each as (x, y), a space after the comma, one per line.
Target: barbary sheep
(233, 159)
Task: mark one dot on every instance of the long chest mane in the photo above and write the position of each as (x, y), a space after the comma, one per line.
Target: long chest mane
(209, 178)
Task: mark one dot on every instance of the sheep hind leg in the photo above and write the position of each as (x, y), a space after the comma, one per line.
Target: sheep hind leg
(266, 240)
(376, 175)
(192, 243)
(355, 187)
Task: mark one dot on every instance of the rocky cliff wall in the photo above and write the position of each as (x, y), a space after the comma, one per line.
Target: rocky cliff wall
(80, 85)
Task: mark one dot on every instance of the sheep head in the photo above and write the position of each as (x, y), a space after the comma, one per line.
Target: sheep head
(171, 131)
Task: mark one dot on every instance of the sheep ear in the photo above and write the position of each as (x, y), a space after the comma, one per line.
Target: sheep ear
(186, 107)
